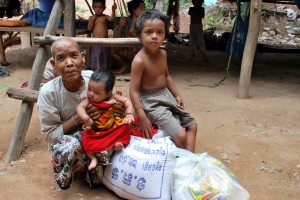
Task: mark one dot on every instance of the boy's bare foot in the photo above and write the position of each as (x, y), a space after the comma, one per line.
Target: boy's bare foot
(118, 146)
(93, 164)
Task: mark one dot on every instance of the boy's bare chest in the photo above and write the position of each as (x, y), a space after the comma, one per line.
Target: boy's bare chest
(101, 20)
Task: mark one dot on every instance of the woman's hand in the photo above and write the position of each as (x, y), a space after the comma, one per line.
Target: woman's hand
(93, 111)
(119, 109)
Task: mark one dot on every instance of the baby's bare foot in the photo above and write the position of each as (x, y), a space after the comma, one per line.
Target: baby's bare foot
(118, 146)
(93, 164)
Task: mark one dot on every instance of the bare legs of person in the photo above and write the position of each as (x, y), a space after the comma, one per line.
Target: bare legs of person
(94, 161)
(124, 57)
(186, 138)
(125, 66)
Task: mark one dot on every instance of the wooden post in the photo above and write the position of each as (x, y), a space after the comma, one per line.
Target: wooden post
(23, 120)
(159, 5)
(69, 19)
(250, 47)
(2, 52)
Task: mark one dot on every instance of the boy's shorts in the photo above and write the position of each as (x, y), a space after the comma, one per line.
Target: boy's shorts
(162, 110)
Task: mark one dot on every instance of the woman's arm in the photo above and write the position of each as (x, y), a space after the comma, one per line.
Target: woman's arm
(52, 125)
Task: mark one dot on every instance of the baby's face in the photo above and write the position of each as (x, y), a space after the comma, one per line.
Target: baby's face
(96, 92)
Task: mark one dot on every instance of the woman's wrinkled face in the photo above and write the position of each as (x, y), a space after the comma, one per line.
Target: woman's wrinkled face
(67, 60)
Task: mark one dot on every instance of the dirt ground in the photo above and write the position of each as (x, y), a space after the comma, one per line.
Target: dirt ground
(257, 138)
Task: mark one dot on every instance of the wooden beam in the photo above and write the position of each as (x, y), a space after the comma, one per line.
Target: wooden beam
(250, 47)
(69, 19)
(23, 120)
(22, 94)
(109, 42)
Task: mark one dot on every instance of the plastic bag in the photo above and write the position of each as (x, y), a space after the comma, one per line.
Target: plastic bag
(201, 177)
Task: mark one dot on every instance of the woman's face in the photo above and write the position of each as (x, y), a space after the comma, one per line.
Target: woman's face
(139, 10)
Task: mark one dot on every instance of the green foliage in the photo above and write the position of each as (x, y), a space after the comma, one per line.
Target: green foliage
(79, 9)
(215, 18)
(149, 4)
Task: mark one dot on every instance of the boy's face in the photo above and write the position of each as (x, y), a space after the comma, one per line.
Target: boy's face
(153, 34)
(98, 8)
(139, 10)
(67, 60)
(96, 92)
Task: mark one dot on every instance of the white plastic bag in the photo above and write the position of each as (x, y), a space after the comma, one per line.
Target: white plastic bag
(143, 169)
(201, 177)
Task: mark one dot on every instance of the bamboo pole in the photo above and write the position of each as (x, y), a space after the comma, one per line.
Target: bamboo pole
(250, 47)
(108, 42)
(23, 120)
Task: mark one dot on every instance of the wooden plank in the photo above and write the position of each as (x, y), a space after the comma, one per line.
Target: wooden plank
(109, 42)
(40, 30)
(22, 94)
(23, 120)
(69, 16)
(250, 47)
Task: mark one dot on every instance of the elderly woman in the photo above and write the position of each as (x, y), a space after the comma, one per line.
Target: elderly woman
(125, 28)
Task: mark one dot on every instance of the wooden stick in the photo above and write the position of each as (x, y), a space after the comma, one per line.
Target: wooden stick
(108, 42)
(22, 94)
(91, 10)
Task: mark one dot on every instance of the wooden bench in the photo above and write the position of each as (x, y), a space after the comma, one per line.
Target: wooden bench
(13, 32)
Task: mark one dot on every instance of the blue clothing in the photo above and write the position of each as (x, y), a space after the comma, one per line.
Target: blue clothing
(39, 18)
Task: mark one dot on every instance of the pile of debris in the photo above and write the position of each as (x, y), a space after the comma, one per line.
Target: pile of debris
(280, 27)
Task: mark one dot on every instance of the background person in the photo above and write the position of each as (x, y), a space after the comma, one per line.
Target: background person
(196, 43)
(125, 28)
(98, 25)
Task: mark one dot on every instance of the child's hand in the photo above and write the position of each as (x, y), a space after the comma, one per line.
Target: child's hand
(128, 118)
(93, 18)
(146, 128)
(114, 6)
(180, 102)
(122, 21)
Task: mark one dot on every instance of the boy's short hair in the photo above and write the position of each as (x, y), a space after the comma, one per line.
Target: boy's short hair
(99, 1)
(193, 1)
(151, 15)
(106, 76)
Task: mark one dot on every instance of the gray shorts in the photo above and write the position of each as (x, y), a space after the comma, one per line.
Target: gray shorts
(161, 109)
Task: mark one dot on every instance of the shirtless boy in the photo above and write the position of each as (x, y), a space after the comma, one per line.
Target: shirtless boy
(152, 91)
(98, 25)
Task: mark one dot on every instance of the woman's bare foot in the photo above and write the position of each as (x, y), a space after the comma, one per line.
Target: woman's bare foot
(118, 146)
(124, 69)
(93, 164)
